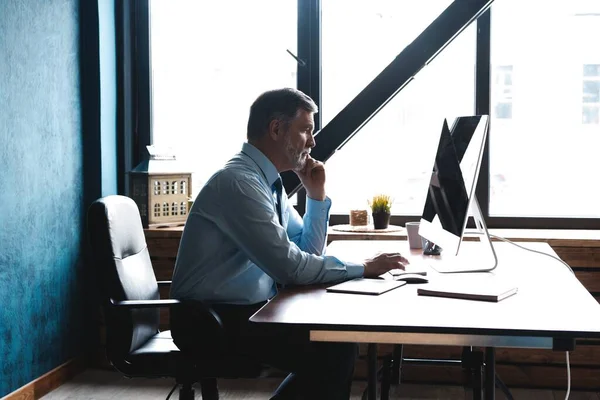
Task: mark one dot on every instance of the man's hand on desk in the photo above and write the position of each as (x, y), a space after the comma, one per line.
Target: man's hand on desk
(382, 263)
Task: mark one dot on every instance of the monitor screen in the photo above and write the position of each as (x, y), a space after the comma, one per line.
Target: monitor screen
(453, 181)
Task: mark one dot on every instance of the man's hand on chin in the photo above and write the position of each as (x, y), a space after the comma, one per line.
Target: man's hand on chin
(312, 177)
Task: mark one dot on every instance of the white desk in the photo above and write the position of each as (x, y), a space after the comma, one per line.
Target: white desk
(540, 315)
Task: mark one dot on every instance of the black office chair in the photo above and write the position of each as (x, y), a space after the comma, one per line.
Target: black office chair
(131, 302)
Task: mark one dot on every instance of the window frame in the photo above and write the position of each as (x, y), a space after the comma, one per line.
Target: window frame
(134, 102)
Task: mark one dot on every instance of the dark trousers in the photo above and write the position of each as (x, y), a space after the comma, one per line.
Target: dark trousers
(317, 370)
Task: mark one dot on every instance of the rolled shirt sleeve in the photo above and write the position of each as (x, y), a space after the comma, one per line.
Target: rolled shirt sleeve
(247, 213)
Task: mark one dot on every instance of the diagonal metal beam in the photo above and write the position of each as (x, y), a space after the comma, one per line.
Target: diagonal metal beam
(443, 30)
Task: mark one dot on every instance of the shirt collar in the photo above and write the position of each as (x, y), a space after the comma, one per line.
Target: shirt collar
(266, 166)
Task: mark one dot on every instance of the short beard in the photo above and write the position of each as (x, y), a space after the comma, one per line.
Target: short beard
(294, 156)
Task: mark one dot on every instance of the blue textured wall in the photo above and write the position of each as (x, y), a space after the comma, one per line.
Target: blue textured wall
(41, 197)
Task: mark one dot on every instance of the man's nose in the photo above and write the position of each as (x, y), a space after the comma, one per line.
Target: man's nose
(311, 141)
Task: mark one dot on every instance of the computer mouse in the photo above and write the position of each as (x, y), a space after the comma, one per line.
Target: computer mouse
(412, 278)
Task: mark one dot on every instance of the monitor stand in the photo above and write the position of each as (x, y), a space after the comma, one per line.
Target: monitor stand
(472, 260)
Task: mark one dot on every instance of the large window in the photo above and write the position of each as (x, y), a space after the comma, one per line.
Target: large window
(394, 152)
(544, 135)
(210, 60)
(540, 84)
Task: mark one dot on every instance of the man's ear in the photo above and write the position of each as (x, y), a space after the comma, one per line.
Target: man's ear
(276, 130)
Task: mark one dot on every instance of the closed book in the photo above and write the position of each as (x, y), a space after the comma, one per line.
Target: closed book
(488, 291)
(365, 286)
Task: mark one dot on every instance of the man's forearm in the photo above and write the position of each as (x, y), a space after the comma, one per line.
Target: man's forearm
(315, 221)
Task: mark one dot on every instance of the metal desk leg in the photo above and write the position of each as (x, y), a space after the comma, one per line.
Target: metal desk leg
(372, 374)
(386, 378)
(490, 373)
(477, 376)
(473, 364)
(396, 364)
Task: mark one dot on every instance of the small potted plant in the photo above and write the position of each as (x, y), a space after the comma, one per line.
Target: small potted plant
(381, 205)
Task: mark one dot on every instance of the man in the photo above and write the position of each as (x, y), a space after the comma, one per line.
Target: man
(242, 238)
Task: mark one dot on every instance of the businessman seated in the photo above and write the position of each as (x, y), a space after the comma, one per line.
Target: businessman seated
(243, 238)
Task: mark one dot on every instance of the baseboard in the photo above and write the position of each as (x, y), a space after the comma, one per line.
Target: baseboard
(49, 381)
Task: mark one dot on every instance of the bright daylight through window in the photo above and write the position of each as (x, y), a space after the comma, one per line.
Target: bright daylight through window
(210, 61)
(545, 126)
(393, 152)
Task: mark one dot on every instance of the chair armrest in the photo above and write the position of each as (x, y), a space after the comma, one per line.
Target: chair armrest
(131, 304)
(200, 309)
(162, 283)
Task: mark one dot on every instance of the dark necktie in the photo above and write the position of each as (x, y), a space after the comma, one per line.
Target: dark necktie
(278, 193)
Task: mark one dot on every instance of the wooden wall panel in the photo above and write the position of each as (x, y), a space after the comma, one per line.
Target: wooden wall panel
(589, 279)
(163, 268)
(547, 377)
(163, 247)
(582, 355)
(585, 257)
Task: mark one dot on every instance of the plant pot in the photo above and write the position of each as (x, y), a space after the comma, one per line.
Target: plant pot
(381, 220)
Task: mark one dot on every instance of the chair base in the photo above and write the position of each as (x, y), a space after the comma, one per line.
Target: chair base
(187, 392)
(209, 389)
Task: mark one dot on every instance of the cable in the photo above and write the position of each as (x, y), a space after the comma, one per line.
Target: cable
(573, 272)
(534, 251)
(171, 392)
(568, 377)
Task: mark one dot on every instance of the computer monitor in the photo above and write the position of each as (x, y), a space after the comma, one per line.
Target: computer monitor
(451, 194)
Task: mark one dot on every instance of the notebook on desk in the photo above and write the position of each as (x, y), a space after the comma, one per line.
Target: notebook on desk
(366, 286)
(484, 291)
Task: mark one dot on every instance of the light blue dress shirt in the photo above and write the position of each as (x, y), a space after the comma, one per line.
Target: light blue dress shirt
(234, 249)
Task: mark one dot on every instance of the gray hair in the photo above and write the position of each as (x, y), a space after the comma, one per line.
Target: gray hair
(279, 104)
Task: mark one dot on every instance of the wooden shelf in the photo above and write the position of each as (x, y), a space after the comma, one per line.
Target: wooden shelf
(167, 232)
(554, 237)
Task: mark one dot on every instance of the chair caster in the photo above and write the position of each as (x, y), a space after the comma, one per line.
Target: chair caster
(186, 392)
(209, 389)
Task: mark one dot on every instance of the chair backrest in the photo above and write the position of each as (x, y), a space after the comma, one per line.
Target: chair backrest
(125, 271)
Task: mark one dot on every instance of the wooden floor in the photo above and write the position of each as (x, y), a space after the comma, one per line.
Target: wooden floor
(108, 385)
